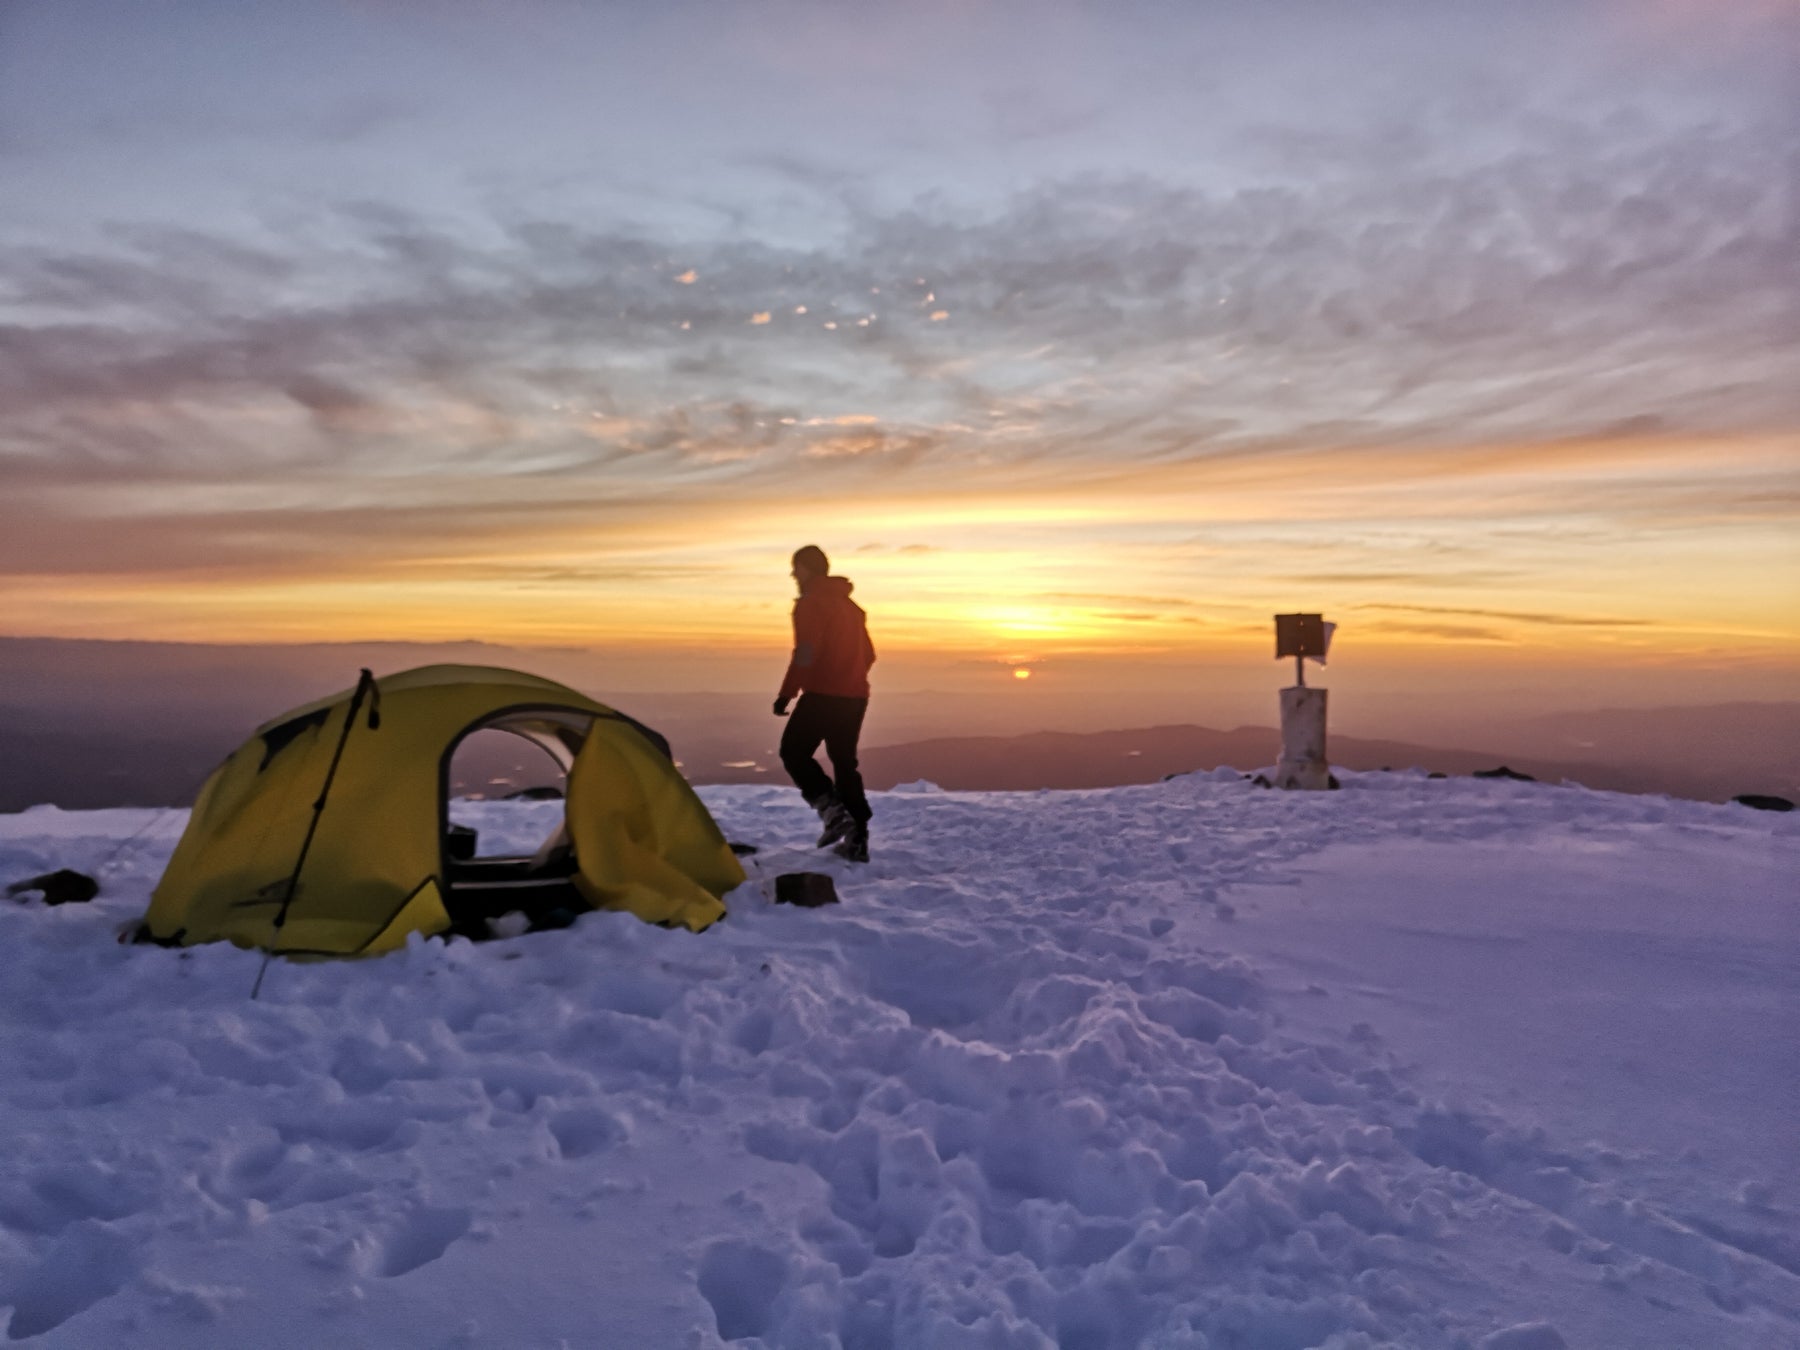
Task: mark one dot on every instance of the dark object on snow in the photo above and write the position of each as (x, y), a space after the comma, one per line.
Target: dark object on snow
(1761, 801)
(743, 850)
(543, 793)
(459, 842)
(61, 887)
(1503, 772)
(1436, 774)
(809, 890)
(1331, 781)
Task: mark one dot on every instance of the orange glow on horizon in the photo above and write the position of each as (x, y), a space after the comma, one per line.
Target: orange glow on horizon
(1538, 554)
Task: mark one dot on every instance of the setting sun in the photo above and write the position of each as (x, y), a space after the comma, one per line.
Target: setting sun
(1021, 674)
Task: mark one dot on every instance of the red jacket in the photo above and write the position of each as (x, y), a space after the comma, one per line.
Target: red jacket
(832, 651)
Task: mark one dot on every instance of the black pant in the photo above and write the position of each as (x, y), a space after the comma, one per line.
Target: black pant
(837, 722)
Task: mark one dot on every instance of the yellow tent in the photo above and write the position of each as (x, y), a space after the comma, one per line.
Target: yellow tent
(259, 866)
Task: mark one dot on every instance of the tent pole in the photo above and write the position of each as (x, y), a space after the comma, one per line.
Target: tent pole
(365, 684)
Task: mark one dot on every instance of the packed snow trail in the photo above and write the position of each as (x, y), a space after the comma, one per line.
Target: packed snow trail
(1186, 1065)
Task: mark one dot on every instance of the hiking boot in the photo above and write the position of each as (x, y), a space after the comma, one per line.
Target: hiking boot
(837, 821)
(854, 846)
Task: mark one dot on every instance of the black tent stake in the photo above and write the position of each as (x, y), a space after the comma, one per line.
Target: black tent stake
(365, 684)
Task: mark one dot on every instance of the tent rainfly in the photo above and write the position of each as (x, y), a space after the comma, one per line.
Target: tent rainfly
(259, 866)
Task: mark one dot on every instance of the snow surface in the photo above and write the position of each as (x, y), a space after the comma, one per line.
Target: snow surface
(1420, 1063)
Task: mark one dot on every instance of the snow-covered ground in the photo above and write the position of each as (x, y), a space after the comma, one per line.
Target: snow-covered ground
(1418, 1063)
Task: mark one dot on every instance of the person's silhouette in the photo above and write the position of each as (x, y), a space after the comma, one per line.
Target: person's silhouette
(830, 673)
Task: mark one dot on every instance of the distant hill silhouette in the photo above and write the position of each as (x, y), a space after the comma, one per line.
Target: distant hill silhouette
(1054, 759)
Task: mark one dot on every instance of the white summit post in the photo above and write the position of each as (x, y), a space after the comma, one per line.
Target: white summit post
(1303, 764)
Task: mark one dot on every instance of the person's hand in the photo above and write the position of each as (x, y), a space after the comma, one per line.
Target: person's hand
(781, 707)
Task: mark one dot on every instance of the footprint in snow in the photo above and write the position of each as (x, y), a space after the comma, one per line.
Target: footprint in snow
(584, 1131)
(59, 1196)
(283, 1175)
(421, 1237)
(88, 1263)
(741, 1282)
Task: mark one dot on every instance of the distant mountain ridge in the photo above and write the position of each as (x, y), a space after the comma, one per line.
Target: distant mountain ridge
(1057, 759)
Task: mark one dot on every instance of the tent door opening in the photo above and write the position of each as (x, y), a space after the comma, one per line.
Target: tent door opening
(524, 756)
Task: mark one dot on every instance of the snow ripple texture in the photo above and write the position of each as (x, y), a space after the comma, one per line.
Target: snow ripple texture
(1087, 1070)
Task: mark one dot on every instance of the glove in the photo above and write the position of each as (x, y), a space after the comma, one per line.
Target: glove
(781, 707)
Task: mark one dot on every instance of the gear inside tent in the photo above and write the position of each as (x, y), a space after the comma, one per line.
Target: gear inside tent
(328, 832)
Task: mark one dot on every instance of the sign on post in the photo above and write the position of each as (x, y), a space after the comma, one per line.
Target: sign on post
(1301, 636)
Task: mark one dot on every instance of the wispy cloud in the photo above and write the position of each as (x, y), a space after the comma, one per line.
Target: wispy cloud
(1513, 616)
(1547, 295)
(1448, 632)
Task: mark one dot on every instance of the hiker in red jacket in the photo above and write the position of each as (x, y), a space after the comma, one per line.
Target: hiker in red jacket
(830, 673)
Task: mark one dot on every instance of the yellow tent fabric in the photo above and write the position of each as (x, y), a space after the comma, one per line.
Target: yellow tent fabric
(376, 869)
(662, 862)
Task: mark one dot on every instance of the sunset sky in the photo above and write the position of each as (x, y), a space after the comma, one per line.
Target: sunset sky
(1072, 331)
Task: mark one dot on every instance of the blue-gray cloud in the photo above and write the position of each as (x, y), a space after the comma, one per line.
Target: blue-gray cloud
(1545, 294)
